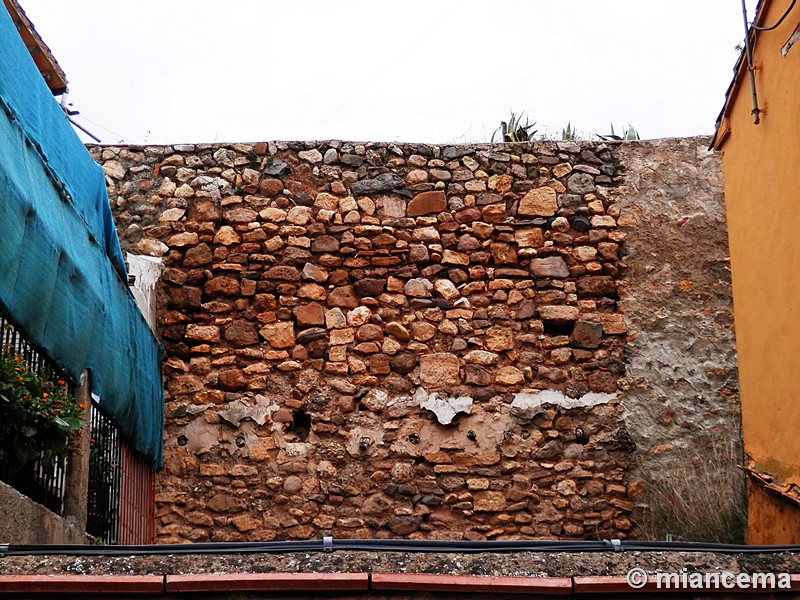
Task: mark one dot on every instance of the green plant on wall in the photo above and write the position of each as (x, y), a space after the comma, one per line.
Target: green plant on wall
(514, 131)
(569, 133)
(36, 414)
(629, 135)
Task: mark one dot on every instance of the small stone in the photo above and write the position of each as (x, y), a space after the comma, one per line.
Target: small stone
(489, 501)
(335, 319)
(313, 156)
(382, 183)
(446, 289)
(580, 183)
(500, 183)
(427, 203)
(499, 339)
(439, 370)
(509, 376)
(325, 243)
(312, 272)
(587, 335)
(418, 288)
(344, 297)
(309, 315)
(559, 313)
(552, 266)
(539, 202)
(482, 357)
(529, 238)
(359, 316)
(279, 335)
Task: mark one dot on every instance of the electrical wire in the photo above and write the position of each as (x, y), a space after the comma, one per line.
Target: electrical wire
(786, 14)
(443, 546)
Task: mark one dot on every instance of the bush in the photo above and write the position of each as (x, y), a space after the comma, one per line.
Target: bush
(36, 414)
(698, 498)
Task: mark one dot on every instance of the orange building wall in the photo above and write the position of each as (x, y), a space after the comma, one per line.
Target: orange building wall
(761, 167)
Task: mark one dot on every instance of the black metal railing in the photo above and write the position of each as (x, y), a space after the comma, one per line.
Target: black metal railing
(104, 478)
(42, 481)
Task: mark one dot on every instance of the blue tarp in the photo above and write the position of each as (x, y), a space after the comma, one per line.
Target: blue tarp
(62, 276)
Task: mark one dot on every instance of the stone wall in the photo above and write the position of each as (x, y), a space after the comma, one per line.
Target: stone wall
(26, 523)
(380, 340)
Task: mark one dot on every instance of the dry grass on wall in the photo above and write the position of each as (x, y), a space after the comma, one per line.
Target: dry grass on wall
(699, 496)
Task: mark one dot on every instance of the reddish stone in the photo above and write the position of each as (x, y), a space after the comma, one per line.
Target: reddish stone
(379, 364)
(596, 286)
(503, 254)
(427, 203)
(201, 211)
(241, 333)
(185, 297)
(325, 243)
(232, 379)
(403, 362)
(587, 335)
(343, 297)
(199, 255)
(369, 287)
(468, 215)
(369, 333)
(283, 273)
(221, 286)
(309, 315)
(270, 187)
(241, 215)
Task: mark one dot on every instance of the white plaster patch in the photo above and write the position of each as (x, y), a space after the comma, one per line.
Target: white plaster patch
(527, 405)
(444, 407)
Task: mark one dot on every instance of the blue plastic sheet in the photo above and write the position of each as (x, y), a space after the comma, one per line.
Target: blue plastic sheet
(62, 276)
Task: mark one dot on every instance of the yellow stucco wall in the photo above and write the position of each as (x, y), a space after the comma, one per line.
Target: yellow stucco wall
(761, 167)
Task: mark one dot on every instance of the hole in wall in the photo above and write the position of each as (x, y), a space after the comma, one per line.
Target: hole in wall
(301, 424)
(554, 328)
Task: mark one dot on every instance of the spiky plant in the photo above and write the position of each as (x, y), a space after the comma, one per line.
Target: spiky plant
(514, 130)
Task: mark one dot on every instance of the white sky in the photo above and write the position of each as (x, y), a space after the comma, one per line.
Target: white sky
(168, 71)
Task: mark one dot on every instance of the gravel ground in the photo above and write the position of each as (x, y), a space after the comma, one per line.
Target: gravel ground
(511, 564)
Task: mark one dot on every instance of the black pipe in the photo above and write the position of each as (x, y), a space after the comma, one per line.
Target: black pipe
(399, 545)
(750, 69)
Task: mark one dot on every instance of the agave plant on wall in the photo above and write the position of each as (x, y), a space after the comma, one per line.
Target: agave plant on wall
(514, 131)
(629, 135)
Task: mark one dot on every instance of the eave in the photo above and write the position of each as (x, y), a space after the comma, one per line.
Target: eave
(722, 129)
(45, 61)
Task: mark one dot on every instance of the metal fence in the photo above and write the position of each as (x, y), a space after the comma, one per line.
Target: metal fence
(121, 503)
(121, 496)
(43, 481)
(104, 478)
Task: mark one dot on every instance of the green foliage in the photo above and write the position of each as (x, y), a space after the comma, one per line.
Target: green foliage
(36, 414)
(514, 130)
(630, 135)
(569, 133)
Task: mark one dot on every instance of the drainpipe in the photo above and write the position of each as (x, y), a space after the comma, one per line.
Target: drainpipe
(750, 68)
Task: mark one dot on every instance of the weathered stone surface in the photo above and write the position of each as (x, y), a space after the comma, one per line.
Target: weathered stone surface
(552, 266)
(343, 297)
(587, 335)
(439, 370)
(279, 335)
(539, 202)
(559, 313)
(241, 333)
(382, 183)
(427, 203)
(309, 315)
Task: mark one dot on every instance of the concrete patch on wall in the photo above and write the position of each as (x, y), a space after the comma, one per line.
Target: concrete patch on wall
(681, 387)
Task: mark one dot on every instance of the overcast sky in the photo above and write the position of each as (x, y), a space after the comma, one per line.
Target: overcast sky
(168, 71)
